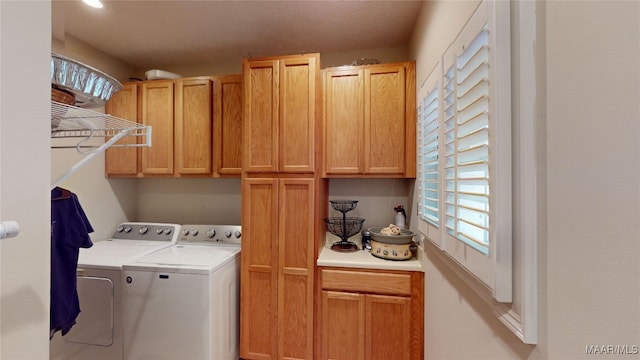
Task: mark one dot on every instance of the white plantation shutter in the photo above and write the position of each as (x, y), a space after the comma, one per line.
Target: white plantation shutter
(429, 189)
(473, 176)
(449, 146)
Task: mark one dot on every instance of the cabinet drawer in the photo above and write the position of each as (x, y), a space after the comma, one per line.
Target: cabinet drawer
(368, 282)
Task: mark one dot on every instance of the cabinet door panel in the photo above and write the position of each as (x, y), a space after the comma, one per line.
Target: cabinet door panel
(384, 149)
(388, 335)
(193, 126)
(260, 135)
(123, 161)
(228, 124)
(344, 122)
(157, 111)
(296, 316)
(260, 221)
(296, 262)
(258, 311)
(257, 316)
(343, 326)
(297, 115)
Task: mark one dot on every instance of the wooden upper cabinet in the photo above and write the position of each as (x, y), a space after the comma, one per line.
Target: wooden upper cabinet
(196, 128)
(384, 127)
(298, 79)
(280, 96)
(157, 111)
(227, 105)
(123, 161)
(344, 121)
(369, 127)
(193, 126)
(260, 131)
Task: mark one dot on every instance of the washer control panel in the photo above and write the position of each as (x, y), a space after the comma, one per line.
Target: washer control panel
(211, 234)
(147, 231)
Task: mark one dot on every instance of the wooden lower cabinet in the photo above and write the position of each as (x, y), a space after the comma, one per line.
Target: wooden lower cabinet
(371, 314)
(277, 271)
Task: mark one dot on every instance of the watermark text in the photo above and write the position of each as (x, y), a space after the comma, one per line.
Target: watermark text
(612, 349)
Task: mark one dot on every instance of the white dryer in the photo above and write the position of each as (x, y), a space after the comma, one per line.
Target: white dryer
(97, 334)
(183, 302)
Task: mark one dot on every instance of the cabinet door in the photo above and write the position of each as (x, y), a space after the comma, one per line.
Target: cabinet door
(297, 116)
(157, 111)
(259, 311)
(296, 268)
(343, 326)
(123, 161)
(193, 126)
(227, 103)
(260, 133)
(344, 122)
(388, 327)
(384, 114)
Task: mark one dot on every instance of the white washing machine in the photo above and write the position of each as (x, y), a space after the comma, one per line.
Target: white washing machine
(183, 302)
(97, 334)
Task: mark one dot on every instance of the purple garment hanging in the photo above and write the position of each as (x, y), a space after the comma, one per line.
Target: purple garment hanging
(70, 230)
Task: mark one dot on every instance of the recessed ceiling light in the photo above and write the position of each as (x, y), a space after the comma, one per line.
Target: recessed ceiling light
(94, 3)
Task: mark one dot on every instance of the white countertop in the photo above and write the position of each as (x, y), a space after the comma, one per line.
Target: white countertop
(363, 259)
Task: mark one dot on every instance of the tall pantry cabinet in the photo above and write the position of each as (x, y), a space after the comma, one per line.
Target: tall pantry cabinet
(282, 202)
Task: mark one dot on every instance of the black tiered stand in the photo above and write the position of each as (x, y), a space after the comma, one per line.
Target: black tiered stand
(344, 227)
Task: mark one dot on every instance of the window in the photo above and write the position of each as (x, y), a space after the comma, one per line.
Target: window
(464, 150)
(428, 113)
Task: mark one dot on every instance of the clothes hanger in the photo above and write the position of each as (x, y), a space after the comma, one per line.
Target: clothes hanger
(61, 193)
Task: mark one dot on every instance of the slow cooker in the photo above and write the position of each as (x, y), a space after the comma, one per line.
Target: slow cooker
(391, 247)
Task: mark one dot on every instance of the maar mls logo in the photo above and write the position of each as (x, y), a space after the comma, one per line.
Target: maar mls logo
(611, 349)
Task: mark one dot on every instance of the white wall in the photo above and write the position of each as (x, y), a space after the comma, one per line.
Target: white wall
(107, 202)
(376, 198)
(589, 274)
(24, 178)
(593, 171)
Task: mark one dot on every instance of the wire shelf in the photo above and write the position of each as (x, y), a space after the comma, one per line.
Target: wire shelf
(68, 121)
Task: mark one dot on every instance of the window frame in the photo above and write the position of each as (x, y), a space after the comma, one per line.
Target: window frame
(521, 315)
(493, 265)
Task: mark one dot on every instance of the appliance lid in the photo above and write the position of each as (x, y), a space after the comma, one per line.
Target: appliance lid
(200, 259)
(114, 253)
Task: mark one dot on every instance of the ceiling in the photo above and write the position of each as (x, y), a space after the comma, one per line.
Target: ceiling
(150, 34)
